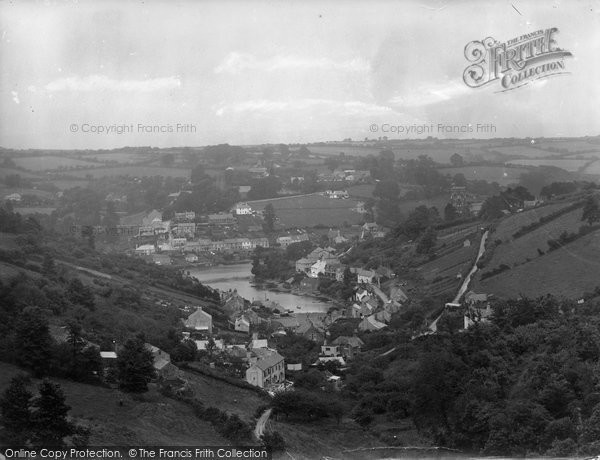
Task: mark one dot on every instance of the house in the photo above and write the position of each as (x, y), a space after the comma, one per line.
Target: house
(317, 268)
(145, 250)
(361, 294)
(348, 347)
(303, 265)
(242, 324)
(185, 229)
(185, 216)
(365, 276)
(190, 257)
(242, 209)
(286, 240)
(162, 362)
(267, 370)
(259, 343)
(199, 321)
(108, 356)
(294, 367)
(290, 323)
(329, 350)
(309, 331)
(221, 218)
(370, 323)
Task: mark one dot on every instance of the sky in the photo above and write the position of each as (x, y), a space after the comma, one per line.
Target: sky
(99, 75)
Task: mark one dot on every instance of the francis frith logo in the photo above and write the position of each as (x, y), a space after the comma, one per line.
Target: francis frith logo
(516, 62)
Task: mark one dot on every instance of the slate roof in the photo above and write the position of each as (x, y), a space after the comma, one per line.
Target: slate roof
(271, 360)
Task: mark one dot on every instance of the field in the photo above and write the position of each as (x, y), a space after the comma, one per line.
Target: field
(154, 420)
(439, 202)
(311, 210)
(594, 168)
(571, 145)
(567, 272)
(49, 163)
(568, 164)
(511, 224)
(133, 171)
(355, 150)
(519, 250)
(501, 174)
(121, 157)
(522, 150)
(361, 191)
(24, 174)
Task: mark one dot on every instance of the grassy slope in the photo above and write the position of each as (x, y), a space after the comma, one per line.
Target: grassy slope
(568, 272)
(516, 251)
(155, 420)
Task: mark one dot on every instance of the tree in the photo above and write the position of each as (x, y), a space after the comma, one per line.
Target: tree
(269, 218)
(33, 342)
(135, 366)
(15, 414)
(387, 190)
(457, 160)
(450, 213)
(50, 424)
(198, 174)
(459, 180)
(591, 211)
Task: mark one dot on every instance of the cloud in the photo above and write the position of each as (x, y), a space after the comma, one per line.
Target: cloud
(235, 63)
(431, 94)
(339, 108)
(93, 83)
(15, 97)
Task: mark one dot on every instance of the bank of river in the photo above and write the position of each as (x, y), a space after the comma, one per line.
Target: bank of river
(239, 276)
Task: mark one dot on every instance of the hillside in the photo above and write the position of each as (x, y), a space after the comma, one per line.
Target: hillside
(568, 272)
(150, 419)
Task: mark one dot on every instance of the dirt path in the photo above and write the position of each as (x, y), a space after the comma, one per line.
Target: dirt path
(259, 430)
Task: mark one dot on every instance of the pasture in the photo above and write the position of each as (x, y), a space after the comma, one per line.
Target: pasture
(568, 164)
(311, 210)
(567, 272)
(131, 171)
(594, 168)
(51, 163)
(520, 250)
(501, 174)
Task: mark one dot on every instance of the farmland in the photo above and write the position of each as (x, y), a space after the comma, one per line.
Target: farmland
(520, 250)
(567, 272)
(311, 210)
(49, 163)
(507, 227)
(568, 164)
(594, 168)
(501, 174)
(133, 171)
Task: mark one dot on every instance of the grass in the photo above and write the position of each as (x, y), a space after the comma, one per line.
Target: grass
(49, 163)
(153, 420)
(594, 168)
(133, 171)
(526, 247)
(501, 174)
(567, 272)
(568, 164)
(311, 210)
(225, 396)
(511, 224)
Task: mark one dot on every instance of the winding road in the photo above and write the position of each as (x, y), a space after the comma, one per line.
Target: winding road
(465, 284)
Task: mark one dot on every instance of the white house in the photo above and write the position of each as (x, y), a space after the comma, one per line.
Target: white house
(242, 209)
(266, 370)
(317, 267)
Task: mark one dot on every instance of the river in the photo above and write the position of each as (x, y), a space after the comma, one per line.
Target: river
(238, 276)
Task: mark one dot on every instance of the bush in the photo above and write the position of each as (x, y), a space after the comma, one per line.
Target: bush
(273, 441)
